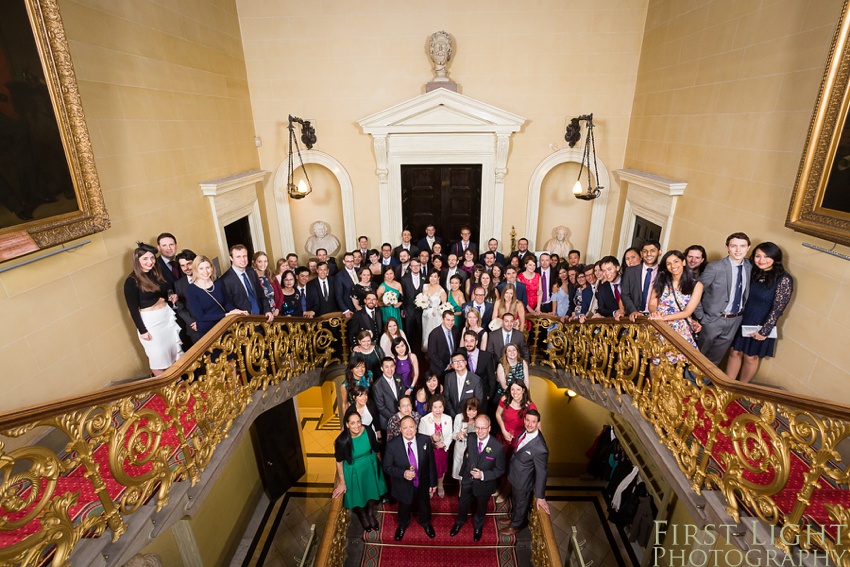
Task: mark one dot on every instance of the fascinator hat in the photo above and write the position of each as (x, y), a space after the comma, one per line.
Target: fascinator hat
(146, 247)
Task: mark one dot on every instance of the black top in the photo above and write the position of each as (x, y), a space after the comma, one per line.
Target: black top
(138, 299)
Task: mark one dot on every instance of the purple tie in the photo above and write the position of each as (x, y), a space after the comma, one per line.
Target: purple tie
(545, 289)
(480, 447)
(471, 364)
(412, 458)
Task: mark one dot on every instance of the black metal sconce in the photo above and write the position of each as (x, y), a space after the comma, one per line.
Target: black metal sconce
(572, 136)
(308, 137)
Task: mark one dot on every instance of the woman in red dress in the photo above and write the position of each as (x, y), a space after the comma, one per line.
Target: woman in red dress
(510, 415)
(531, 279)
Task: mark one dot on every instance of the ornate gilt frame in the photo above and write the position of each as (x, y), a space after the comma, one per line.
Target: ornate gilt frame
(49, 34)
(805, 213)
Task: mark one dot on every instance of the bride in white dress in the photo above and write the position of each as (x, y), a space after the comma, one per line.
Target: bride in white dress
(432, 315)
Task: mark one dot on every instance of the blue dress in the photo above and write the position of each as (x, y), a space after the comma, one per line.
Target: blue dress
(764, 307)
(209, 306)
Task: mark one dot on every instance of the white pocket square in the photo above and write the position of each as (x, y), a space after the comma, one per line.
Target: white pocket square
(529, 452)
(469, 391)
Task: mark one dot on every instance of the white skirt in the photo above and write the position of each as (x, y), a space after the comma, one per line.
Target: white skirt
(164, 348)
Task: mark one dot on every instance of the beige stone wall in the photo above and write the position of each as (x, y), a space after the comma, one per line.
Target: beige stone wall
(724, 97)
(338, 62)
(166, 98)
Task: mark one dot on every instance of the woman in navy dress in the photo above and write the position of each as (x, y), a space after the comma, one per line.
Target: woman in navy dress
(208, 302)
(770, 291)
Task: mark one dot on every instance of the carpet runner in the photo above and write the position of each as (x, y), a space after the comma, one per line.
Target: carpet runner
(493, 550)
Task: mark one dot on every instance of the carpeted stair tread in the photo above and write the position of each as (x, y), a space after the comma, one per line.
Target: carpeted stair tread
(394, 556)
(415, 535)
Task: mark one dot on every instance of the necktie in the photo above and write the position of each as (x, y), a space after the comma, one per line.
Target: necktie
(471, 363)
(412, 458)
(353, 276)
(371, 314)
(480, 447)
(450, 340)
(325, 289)
(617, 292)
(507, 338)
(645, 297)
(521, 440)
(255, 308)
(545, 288)
(175, 269)
(481, 311)
(739, 291)
(303, 299)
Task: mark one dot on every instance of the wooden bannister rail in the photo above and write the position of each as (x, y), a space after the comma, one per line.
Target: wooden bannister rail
(331, 551)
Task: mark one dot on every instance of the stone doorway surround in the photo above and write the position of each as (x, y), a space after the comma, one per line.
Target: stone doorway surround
(442, 127)
(649, 196)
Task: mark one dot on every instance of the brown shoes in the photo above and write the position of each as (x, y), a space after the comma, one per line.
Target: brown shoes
(509, 531)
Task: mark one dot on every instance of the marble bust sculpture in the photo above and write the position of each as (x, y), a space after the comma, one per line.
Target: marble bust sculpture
(559, 243)
(440, 49)
(321, 238)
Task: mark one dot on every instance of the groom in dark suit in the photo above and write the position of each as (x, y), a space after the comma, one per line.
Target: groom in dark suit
(725, 290)
(411, 286)
(483, 466)
(529, 469)
(409, 461)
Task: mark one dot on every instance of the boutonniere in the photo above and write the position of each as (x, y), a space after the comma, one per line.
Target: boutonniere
(467, 382)
(397, 380)
(425, 447)
(488, 450)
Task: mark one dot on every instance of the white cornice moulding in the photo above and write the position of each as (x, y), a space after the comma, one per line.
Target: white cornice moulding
(225, 184)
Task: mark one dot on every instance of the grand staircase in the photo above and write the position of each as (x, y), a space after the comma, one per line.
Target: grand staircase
(89, 479)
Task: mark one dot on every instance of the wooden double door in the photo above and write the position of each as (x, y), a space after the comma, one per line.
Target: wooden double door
(447, 196)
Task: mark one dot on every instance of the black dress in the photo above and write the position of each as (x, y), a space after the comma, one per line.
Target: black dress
(291, 305)
(763, 308)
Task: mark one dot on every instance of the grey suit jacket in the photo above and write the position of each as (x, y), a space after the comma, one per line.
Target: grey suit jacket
(529, 467)
(718, 280)
(631, 289)
(496, 344)
(385, 401)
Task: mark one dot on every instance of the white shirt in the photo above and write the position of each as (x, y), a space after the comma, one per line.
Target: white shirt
(460, 382)
(526, 437)
(483, 447)
(241, 279)
(391, 382)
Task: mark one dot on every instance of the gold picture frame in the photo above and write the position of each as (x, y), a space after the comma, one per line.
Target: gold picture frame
(820, 203)
(91, 215)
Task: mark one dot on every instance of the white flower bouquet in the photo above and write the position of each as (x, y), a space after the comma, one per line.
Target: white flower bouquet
(495, 324)
(422, 301)
(446, 306)
(390, 298)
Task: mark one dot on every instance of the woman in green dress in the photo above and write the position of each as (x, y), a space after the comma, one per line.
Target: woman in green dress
(390, 308)
(359, 475)
(456, 298)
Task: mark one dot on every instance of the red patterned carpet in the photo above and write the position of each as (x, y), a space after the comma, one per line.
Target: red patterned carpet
(494, 549)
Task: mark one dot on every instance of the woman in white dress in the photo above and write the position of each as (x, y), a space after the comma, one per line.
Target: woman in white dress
(432, 316)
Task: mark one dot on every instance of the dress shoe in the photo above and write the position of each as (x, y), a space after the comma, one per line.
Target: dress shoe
(476, 535)
(429, 531)
(455, 529)
(509, 531)
(399, 533)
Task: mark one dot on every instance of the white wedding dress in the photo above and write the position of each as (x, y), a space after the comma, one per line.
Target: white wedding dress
(431, 318)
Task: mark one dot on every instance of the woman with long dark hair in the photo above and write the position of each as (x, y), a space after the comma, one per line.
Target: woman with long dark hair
(146, 293)
(674, 297)
(271, 287)
(355, 374)
(770, 292)
(359, 475)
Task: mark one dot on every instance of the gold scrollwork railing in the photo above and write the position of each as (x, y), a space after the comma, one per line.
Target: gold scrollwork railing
(127, 445)
(771, 454)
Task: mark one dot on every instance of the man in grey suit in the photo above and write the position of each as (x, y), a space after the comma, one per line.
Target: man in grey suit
(461, 385)
(386, 390)
(725, 290)
(527, 473)
(496, 340)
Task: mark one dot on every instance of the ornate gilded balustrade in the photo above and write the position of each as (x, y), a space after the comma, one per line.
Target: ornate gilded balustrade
(127, 445)
(772, 455)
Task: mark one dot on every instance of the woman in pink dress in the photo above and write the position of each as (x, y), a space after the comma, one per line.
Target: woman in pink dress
(438, 426)
(531, 279)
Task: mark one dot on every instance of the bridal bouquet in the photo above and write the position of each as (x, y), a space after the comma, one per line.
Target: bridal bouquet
(390, 298)
(495, 324)
(446, 307)
(422, 301)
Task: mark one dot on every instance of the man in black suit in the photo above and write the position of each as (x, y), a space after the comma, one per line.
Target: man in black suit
(442, 343)
(548, 275)
(188, 326)
(167, 261)
(496, 340)
(425, 263)
(406, 244)
(367, 319)
(427, 243)
(493, 246)
(461, 385)
(403, 267)
(409, 461)
(243, 286)
(608, 293)
(320, 292)
(322, 256)
(450, 270)
(638, 280)
(485, 309)
(386, 390)
(528, 472)
(521, 252)
(344, 281)
(483, 466)
(411, 286)
(464, 243)
(388, 261)
(302, 278)
(483, 365)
